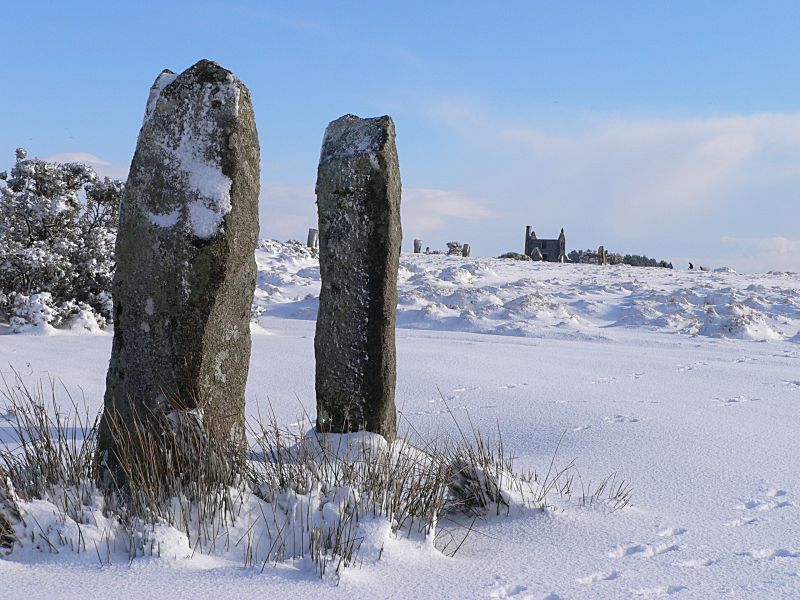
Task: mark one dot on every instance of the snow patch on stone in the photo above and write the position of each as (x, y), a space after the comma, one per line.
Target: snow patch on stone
(196, 159)
(161, 82)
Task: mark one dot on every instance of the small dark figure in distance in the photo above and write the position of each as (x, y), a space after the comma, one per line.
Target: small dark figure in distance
(691, 267)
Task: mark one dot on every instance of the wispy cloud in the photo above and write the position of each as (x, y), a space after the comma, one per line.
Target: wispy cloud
(287, 211)
(627, 180)
(642, 167)
(79, 157)
(278, 19)
(759, 254)
(103, 167)
(427, 210)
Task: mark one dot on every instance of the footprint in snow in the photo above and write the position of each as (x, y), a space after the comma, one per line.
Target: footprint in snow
(598, 576)
(697, 563)
(581, 427)
(683, 368)
(741, 522)
(646, 550)
(734, 401)
(744, 359)
(795, 385)
(603, 380)
(770, 553)
(635, 375)
(508, 591)
(761, 505)
(621, 419)
(671, 531)
(664, 590)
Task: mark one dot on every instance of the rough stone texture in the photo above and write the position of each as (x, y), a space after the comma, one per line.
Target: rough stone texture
(186, 271)
(515, 256)
(551, 250)
(313, 238)
(602, 256)
(417, 246)
(536, 254)
(530, 237)
(358, 202)
(454, 248)
(465, 250)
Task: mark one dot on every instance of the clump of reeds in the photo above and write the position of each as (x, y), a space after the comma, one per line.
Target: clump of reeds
(295, 495)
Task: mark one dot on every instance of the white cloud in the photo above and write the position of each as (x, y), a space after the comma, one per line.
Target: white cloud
(427, 210)
(627, 181)
(287, 211)
(103, 167)
(639, 167)
(80, 157)
(760, 254)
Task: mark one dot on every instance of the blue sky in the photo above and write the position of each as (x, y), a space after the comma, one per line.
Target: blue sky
(665, 128)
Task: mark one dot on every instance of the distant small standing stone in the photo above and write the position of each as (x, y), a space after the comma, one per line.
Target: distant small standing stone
(465, 250)
(536, 254)
(185, 271)
(313, 238)
(417, 246)
(358, 203)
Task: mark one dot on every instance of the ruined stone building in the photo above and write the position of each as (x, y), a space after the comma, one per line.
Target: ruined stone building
(552, 250)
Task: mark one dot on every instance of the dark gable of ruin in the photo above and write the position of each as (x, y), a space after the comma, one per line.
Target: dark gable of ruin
(552, 250)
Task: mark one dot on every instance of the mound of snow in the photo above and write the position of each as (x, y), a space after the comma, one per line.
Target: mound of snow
(503, 297)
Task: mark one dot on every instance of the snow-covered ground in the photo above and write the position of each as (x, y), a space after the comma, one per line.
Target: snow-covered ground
(686, 384)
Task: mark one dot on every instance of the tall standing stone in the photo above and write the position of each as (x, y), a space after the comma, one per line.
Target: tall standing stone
(417, 246)
(185, 270)
(358, 202)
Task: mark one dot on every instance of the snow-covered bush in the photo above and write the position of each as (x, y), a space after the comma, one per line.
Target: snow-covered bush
(57, 231)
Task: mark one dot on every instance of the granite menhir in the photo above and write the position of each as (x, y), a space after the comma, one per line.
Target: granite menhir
(185, 273)
(358, 202)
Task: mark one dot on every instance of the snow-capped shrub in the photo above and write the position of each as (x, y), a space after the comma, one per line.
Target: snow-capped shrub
(34, 310)
(57, 231)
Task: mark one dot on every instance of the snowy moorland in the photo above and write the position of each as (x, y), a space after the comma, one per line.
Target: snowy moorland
(684, 385)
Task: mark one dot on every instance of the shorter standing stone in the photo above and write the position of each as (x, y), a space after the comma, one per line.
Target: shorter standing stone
(358, 203)
(313, 238)
(465, 250)
(417, 246)
(536, 254)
